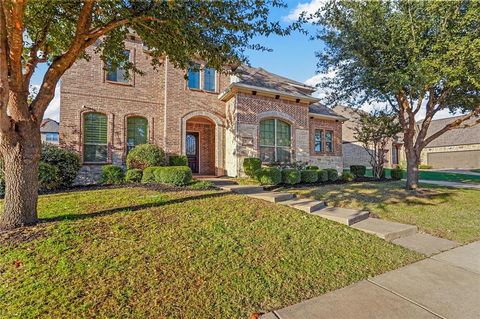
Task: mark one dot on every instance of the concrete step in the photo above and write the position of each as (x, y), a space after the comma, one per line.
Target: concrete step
(305, 204)
(273, 197)
(342, 215)
(425, 244)
(242, 189)
(385, 229)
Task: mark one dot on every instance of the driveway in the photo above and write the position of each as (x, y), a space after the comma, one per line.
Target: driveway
(446, 285)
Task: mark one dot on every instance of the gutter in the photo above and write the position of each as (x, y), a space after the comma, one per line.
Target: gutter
(328, 117)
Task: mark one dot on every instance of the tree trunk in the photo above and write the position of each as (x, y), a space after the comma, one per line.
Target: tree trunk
(21, 155)
(412, 171)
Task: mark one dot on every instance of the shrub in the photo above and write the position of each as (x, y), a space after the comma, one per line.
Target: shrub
(145, 155)
(425, 166)
(251, 165)
(347, 176)
(112, 174)
(48, 177)
(396, 174)
(332, 174)
(291, 176)
(67, 162)
(269, 176)
(149, 174)
(201, 185)
(312, 167)
(133, 175)
(322, 175)
(358, 170)
(175, 175)
(309, 176)
(178, 160)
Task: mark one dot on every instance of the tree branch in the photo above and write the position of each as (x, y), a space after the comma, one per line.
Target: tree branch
(33, 56)
(14, 29)
(455, 124)
(4, 85)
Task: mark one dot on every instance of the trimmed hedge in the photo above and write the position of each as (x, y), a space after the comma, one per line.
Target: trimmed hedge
(358, 170)
(146, 155)
(322, 175)
(112, 174)
(67, 162)
(312, 167)
(291, 176)
(396, 174)
(149, 174)
(251, 165)
(178, 160)
(309, 176)
(332, 174)
(269, 176)
(175, 175)
(48, 177)
(347, 176)
(133, 175)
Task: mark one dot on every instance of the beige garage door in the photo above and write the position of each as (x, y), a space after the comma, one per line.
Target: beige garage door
(463, 159)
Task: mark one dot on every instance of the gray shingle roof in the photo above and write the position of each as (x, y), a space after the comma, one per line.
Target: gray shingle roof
(458, 136)
(261, 78)
(320, 109)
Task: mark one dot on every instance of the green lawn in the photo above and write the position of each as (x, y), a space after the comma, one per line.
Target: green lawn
(437, 176)
(449, 213)
(139, 253)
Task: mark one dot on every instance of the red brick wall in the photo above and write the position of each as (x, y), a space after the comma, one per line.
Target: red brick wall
(330, 125)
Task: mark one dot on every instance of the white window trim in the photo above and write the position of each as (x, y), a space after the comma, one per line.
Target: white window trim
(275, 146)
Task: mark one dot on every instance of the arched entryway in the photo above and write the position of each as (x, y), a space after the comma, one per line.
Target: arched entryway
(202, 143)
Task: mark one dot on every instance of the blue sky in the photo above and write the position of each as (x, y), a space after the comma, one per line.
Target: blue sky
(292, 56)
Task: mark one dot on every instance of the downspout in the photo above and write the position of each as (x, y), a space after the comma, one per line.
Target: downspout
(165, 107)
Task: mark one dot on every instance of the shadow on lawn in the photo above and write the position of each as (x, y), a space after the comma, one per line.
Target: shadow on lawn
(381, 196)
(133, 208)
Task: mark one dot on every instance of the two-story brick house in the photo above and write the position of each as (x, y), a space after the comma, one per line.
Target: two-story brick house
(215, 119)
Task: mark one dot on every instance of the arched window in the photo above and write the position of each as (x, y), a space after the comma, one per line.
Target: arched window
(95, 147)
(275, 141)
(137, 131)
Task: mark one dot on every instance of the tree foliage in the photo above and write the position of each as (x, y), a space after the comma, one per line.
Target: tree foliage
(375, 130)
(415, 56)
(57, 32)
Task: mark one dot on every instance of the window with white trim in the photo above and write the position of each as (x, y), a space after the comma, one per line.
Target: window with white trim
(118, 73)
(275, 141)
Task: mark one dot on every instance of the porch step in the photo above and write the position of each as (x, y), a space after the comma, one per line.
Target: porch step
(341, 215)
(273, 197)
(242, 189)
(305, 204)
(385, 229)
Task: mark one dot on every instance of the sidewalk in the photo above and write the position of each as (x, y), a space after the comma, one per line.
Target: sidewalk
(451, 184)
(446, 285)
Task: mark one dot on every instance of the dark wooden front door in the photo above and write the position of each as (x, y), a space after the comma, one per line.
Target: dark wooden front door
(191, 144)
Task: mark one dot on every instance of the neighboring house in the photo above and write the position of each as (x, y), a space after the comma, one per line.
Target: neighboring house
(353, 151)
(49, 131)
(214, 119)
(457, 148)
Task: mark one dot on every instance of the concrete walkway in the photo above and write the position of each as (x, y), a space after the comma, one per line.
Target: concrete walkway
(400, 234)
(451, 184)
(444, 286)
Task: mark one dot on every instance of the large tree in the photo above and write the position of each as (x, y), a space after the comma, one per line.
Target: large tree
(416, 56)
(57, 32)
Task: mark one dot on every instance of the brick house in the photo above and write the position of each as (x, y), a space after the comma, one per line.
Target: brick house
(215, 119)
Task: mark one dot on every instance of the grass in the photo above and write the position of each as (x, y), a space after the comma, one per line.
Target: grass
(445, 212)
(436, 176)
(140, 253)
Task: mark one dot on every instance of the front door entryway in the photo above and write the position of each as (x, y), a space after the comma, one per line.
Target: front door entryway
(191, 144)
